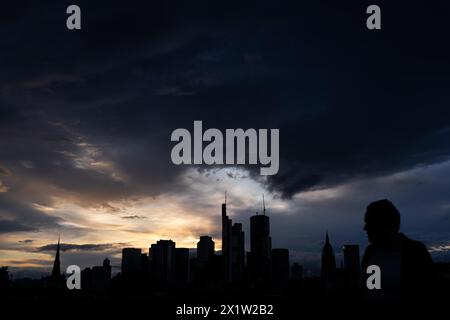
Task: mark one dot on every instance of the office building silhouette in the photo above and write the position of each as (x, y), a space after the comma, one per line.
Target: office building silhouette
(107, 267)
(181, 265)
(131, 261)
(237, 253)
(233, 248)
(226, 243)
(280, 267)
(205, 249)
(259, 257)
(86, 279)
(205, 270)
(97, 279)
(101, 277)
(162, 257)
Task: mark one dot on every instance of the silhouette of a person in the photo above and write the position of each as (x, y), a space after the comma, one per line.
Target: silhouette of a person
(406, 266)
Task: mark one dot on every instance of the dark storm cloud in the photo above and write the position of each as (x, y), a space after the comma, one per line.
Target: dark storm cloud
(7, 226)
(17, 215)
(77, 247)
(133, 217)
(26, 241)
(348, 102)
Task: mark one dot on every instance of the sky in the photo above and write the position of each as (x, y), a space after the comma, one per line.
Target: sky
(86, 118)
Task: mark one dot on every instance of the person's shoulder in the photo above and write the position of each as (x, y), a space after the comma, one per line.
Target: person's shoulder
(415, 247)
(413, 244)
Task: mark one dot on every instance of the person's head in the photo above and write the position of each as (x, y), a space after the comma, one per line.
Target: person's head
(382, 221)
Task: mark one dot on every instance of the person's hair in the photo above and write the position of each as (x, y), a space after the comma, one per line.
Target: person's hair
(384, 214)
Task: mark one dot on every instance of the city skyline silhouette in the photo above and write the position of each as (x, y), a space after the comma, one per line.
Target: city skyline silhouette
(262, 269)
(227, 229)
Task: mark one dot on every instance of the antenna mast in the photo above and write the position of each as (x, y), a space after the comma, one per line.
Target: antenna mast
(264, 205)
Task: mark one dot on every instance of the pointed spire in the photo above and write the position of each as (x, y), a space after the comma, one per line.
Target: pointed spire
(56, 271)
(225, 197)
(328, 260)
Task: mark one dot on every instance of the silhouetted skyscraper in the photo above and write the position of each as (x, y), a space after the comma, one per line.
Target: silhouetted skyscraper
(205, 249)
(163, 261)
(328, 260)
(107, 267)
(260, 247)
(131, 261)
(97, 279)
(205, 269)
(100, 280)
(237, 252)
(226, 243)
(260, 241)
(280, 266)
(352, 263)
(56, 271)
(181, 265)
(145, 264)
(86, 279)
(233, 248)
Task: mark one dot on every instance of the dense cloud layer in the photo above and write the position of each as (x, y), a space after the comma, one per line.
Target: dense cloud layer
(76, 247)
(86, 116)
(348, 102)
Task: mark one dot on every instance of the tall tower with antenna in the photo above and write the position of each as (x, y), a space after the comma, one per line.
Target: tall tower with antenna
(264, 205)
(259, 258)
(226, 242)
